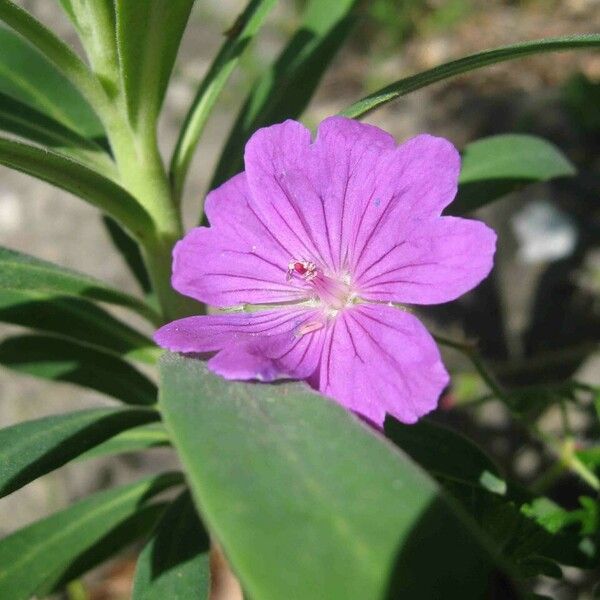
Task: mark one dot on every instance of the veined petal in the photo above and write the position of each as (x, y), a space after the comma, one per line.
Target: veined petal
(238, 259)
(439, 260)
(280, 167)
(412, 184)
(332, 200)
(263, 345)
(377, 360)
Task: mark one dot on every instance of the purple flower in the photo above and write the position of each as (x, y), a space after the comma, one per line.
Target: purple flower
(316, 249)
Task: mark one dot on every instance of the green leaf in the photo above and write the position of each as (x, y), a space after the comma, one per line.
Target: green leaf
(79, 180)
(309, 502)
(28, 77)
(132, 440)
(238, 38)
(95, 23)
(133, 529)
(130, 251)
(36, 557)
(174, 563)
(32, 449)
(76, 319)
(148, 37)
(446, 454)
(494, 166)
(63, 360)
(24, 273)
(25, 122)
(466, 64)
(287, 87)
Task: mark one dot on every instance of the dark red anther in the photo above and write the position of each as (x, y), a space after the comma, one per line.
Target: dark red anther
(300, 268)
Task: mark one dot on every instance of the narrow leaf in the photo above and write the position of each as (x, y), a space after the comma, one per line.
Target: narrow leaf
(148, 37)
(37, 556)
(19, 119)
(21, 272)
(32, 449)
(287, 87)
(30, 78)
(95, 23)
(76, 319)
(174, 563)
(79, 180)
(466, 64)
(63, 360)
(306, 500)
(133, 529)
(495, 166)
(133, 440)
(238, 38)
(130, 251)
(61, 57)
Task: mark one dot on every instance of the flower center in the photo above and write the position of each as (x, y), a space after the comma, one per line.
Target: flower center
(335, 294)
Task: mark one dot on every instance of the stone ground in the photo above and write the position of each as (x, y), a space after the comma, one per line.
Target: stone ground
(48, 223)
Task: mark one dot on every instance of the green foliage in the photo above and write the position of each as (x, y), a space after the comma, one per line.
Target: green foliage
(32, 449)
(305, 500)
(464, 65)
(79, 180)
(23, 273)
(59, 359)
(77, 319)
(35, 559)
(174, 563)
(523, 528)
(27, 77)
(135, 439)
(148, 36)
(287, 86)
(237, 39)
(274, 473)
(130, 251)
(494, 166)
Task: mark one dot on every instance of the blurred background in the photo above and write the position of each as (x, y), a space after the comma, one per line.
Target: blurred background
(537, 319)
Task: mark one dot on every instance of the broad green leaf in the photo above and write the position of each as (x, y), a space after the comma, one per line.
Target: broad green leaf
(130, 251)
(76, 319)
(36, 557)
(132, 440)
(21, 272)
(79, 180)
(309, 502)
(174, 563)
(27, 76)
(32, 449)
(28, 123)
(238, 38)
(287, 87)
(446, 454)
(148, 37)
(494, 166)
(63, 360)
(466, 64)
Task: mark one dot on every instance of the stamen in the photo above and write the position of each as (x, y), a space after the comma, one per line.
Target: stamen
(308, 328)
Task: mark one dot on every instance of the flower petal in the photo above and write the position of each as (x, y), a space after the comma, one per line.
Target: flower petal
(438, 261)
(378, 360)
(279, 166)
(331, 200)
(413, 184)
(237, 260)
(263, 345)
